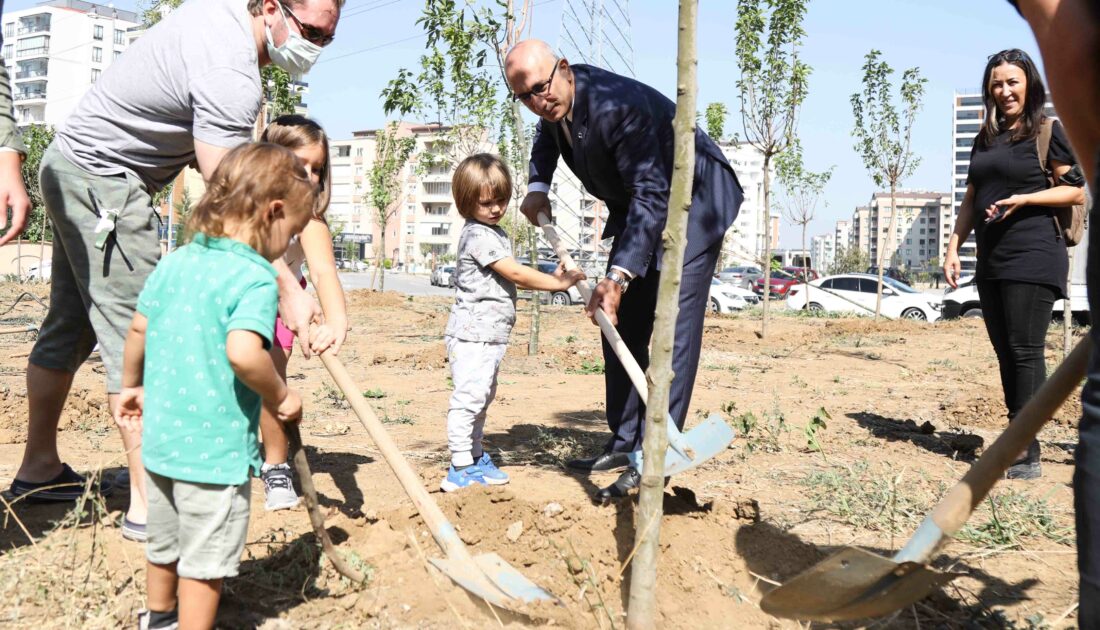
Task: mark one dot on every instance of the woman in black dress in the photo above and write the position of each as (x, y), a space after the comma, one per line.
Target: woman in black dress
(1022, 260)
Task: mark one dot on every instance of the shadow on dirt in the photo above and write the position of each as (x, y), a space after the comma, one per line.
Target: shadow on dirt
(955, 445)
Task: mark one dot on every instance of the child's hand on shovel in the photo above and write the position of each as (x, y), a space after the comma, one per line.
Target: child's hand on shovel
(290, 410)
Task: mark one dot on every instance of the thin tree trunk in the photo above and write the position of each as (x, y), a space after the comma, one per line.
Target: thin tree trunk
(1067, 311)
(642, 606)
(889, 241)
(805, 268)
(536, 312)
(382, 262)
(42, 249)
(767, 245)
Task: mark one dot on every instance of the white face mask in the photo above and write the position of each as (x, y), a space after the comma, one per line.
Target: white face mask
(297, 54)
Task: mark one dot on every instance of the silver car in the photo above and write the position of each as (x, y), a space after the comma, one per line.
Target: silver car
(740, 276)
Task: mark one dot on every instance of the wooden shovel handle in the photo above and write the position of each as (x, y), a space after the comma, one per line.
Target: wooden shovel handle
(441, 529)
(633, 370)
(954, 509)
(309, 493)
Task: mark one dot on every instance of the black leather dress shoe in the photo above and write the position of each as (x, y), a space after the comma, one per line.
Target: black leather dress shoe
(604, 462)
(629, 480)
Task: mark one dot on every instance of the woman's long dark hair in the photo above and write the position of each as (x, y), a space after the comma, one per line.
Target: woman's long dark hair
(1034, 98)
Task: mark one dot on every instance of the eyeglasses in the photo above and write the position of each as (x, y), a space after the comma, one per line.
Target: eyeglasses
(539, 89)
(311, 33)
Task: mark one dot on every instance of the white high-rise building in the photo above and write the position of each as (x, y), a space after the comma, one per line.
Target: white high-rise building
(823, 251)
(842, 236)
(744, 242)
(917, 238)
(968, 114)
(56, 50)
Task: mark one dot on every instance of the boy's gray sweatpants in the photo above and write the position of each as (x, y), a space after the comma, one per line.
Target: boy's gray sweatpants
(474, 366)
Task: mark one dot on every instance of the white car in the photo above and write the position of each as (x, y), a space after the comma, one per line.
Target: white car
(441, 276)
(746, 294)
(725, 298)
(855, 293)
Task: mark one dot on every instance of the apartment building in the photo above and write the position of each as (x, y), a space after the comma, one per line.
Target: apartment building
(842, 236)
(923, 225)
(823, 251)
(56, 50)
(744, 242)
(968, 112)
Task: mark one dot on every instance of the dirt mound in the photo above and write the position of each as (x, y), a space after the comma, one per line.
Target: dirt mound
(576, 552)
(366, 298)
(984, 410)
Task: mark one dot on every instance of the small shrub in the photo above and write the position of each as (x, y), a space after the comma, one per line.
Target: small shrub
(374, 393)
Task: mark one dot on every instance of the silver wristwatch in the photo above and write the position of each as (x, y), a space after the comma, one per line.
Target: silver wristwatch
(618, 278)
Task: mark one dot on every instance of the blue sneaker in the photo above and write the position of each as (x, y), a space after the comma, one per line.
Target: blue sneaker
(464, 478)
(493, 475)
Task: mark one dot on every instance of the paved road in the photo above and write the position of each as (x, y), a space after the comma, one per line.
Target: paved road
(409, 284)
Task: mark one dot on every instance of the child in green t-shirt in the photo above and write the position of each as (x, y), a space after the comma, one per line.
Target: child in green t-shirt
(196, 370)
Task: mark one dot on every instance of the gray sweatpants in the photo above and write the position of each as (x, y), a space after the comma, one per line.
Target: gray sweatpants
(474, 366)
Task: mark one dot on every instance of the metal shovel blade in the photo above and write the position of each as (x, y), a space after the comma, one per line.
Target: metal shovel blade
(704, 441)
(853, 584)
(493, 579)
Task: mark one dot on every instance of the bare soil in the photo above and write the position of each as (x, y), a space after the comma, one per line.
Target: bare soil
(849, 430)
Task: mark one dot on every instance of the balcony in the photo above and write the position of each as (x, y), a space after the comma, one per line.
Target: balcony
(30, 95)
(34, 24)
(31, 71)
(38, 51)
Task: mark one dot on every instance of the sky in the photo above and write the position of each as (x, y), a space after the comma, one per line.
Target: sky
(949, 40)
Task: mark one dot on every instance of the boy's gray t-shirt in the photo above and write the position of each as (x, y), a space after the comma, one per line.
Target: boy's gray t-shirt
(485, 302)
(193, 76)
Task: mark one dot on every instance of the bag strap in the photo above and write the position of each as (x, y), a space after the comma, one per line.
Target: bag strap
(1042, 142)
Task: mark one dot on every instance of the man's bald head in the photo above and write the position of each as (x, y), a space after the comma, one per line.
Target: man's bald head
(541, 79)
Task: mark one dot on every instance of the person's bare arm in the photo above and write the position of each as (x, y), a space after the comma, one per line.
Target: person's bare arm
(964, 224)
(131, 399)
(13, 195)
(208, 157)
(529, 278)
(1068, 33)
(317, 244)
(253, 366)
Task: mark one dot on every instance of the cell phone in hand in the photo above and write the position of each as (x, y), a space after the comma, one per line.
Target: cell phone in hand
(997, 214)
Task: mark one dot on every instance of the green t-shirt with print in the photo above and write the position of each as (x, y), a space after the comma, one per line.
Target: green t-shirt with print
(200, 421)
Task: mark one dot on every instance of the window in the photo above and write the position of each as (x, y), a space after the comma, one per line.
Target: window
(118, 53)
(967, 127)
(962, 156)
(95, 74)
(9, 29)
(410, 228)
(359, 152)
(846, 284)
(120, 37)
(341, 150)
(968, 114)
(97, 54)
(7, 51)
(964, 142)
(867, 285)
(97, 32)
(443, 229)
(970, 101)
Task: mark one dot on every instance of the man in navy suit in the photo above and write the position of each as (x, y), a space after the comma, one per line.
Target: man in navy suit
(615, 134)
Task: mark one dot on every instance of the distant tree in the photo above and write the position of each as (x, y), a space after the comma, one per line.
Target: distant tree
(280, 96)
(390, 156)
(850, 260)
(883, 138)
(802, 190)
(716, 114)
(772, 87)
(183, 211)
(155, 11)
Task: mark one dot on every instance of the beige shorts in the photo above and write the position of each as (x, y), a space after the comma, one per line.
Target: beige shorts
(202, 525)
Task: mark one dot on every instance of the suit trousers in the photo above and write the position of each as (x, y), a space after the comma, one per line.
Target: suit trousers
(1086, 474)
(625, 408)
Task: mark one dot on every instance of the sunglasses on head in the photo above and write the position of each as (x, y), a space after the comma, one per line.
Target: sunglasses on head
(311, 33)
(1010, 56)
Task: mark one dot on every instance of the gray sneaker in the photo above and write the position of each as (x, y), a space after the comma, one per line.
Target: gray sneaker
(278, 489)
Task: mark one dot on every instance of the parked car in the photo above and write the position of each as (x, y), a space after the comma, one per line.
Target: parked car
(891, 272)
(781, 282)
(964, 302)
(725, 298)
(740, 276)
(811, 274)
(746, 294)
(442, 276)
(855, 293)
(557, 298)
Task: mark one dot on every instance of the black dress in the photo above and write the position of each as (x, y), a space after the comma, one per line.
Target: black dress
(1025, 247)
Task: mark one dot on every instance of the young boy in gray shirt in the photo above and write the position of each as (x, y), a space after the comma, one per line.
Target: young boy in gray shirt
(483, 314)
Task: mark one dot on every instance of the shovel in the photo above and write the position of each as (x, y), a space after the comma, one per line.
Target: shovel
(685, 450)
(856, 584)
(487, 575)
